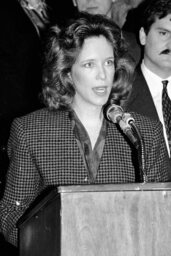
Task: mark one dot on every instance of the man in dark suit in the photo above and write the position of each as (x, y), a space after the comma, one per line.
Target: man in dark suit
(147, 93)
(20, 68)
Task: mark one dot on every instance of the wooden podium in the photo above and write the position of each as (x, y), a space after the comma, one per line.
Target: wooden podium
(100, 220)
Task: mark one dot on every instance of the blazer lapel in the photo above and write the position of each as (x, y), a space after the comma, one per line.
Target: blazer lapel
(140, 100)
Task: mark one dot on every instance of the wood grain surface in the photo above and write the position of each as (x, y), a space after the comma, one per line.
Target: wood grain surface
(116, 223)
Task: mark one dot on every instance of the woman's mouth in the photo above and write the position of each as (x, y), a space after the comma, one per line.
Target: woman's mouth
(100, 90)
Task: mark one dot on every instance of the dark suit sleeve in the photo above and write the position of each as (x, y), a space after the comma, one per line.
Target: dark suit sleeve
(157, 164)
(23, 183)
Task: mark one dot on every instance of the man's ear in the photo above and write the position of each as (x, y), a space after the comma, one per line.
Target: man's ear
(142, 36)
(74, 3)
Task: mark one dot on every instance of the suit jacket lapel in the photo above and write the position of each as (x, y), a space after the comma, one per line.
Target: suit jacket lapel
(140, 99)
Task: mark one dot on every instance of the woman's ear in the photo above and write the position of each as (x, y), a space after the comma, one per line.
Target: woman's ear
(142, 36)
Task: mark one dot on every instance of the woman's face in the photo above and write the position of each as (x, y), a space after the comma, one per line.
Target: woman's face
(93, 72)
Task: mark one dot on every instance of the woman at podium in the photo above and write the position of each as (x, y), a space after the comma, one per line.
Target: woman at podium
(78, 137)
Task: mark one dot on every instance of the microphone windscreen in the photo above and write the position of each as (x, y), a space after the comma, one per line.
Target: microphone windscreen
(114, 113)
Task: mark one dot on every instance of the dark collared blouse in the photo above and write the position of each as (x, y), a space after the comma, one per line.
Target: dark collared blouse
(91, 157)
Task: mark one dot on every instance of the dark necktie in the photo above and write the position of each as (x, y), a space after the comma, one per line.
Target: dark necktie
(166, 107)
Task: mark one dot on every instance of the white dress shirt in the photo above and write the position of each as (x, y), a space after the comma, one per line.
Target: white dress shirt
(155, 85)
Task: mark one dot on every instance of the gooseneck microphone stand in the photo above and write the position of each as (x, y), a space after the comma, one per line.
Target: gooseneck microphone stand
(141, 152)
(126, 122)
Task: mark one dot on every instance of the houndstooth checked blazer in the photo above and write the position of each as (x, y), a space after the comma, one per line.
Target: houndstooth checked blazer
(43, 152)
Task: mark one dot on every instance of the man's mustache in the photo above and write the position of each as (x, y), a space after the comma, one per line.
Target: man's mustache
(166, 51)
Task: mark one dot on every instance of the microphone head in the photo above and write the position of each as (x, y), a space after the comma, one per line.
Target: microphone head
(114, 113)
(127, 118)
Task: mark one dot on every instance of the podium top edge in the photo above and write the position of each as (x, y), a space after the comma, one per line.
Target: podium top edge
(115, 187)
(57, 191)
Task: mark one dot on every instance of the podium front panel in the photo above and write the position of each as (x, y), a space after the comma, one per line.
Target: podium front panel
(101, 221)
(116, 223)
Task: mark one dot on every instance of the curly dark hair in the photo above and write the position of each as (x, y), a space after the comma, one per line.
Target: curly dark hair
(154, 9)
(62, 50)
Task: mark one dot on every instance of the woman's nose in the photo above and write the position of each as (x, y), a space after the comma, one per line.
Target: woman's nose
(101, 73)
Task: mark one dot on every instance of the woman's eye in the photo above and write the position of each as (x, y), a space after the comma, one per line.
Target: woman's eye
(110, 62)
(89, 64)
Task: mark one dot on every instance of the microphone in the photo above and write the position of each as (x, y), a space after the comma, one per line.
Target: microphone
(116, 114)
